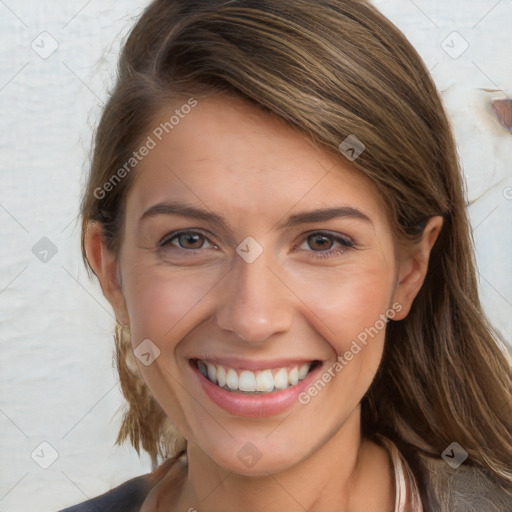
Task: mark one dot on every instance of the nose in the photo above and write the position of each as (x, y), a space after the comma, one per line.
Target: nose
(255, 303)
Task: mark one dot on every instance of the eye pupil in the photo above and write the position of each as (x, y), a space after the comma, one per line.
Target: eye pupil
(324, 242)
(193, 238)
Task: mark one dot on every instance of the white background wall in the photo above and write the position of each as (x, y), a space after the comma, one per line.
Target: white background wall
(57, 383)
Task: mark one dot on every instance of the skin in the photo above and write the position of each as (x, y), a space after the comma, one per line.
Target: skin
(255, 171)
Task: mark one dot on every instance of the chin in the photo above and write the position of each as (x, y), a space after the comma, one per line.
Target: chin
(255, 459)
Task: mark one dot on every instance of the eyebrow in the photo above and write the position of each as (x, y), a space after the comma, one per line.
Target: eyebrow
(320, 215)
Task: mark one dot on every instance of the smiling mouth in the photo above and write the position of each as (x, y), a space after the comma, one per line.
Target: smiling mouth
(254, 382)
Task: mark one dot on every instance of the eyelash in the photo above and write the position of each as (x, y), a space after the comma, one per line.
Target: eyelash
(345, 242)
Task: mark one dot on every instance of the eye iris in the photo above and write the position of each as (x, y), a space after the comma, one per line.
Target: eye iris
(322, 240)
(193, 238)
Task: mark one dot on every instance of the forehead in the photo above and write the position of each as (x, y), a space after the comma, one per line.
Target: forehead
(227, 154)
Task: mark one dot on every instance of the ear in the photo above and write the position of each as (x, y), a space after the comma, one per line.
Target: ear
(413, 266)
(105, 265)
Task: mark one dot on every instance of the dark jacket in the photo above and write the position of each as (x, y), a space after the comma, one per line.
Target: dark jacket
(466, 489)
(128, 497)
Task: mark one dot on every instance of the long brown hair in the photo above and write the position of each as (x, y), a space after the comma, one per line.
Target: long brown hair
(329, 68)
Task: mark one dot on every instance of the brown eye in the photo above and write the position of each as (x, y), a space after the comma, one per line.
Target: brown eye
(191, 240)
(326, 245)
(320, 242)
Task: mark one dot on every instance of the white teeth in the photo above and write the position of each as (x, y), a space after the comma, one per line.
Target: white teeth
(232, 379)
(221, 376)
(212, 371)
(247, 381)
(303, 370)
(281, 379)
(293, 376)
(263, 381)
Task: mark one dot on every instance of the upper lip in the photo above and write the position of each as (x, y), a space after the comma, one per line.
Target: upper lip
(251, 364)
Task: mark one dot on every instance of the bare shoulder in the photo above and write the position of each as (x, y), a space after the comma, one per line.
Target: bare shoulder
(465, 489)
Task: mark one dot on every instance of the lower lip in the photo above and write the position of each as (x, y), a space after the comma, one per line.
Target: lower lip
(255, 405)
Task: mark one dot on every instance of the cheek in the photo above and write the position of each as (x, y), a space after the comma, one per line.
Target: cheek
(350, 312)
(159, 299)
(163, 305)
(346, 308)
(348, 302)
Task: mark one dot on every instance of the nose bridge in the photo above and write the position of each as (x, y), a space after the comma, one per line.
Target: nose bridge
(255, 303)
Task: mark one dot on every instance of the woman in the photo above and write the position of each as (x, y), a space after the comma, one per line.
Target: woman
(270, 373)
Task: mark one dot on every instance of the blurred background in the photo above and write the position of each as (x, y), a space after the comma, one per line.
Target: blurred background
(60, 403)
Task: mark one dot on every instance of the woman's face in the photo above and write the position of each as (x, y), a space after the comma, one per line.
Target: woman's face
(266, 258)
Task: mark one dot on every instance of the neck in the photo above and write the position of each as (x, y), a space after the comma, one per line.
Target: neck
(344, 473)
